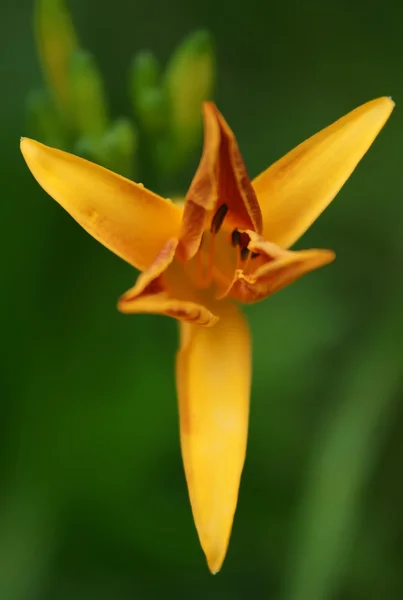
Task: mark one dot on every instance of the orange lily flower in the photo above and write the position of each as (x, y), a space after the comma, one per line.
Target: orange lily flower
(230, 242)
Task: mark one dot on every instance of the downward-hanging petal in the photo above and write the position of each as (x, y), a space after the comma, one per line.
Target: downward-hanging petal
(124, 216)
(294, 191)
(213, 381)
(220, 188)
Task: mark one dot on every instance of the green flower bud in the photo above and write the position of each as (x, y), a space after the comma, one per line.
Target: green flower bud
(120, 145)
(90, 150)
(189, 81)
(87, 95)
(148, 97)
(43, 122)
(56, 42)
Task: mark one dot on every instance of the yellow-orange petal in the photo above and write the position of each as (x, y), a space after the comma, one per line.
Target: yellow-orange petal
(124, 216)
(273, 276)
(221, 182)
(152, 293)
(163, 304)
(295, 190)
(213, 382)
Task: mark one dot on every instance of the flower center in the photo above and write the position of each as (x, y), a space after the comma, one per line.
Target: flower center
(222, 251)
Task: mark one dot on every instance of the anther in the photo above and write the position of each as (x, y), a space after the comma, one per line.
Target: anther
(235, 238)
(244, 253)
(218, 218)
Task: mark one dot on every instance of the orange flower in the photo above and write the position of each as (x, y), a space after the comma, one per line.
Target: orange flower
(228, 243)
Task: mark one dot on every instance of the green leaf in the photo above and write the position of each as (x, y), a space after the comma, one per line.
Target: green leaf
(342, 461)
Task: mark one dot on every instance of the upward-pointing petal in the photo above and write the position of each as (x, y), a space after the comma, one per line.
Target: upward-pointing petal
(295, 190)
(220, 182)
(124, 216)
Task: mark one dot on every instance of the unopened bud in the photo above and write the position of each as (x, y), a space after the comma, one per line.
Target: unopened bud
(87, 95)
(56, 42)
(43, 122)
(148, 97)
(189, 81)
(120, 146)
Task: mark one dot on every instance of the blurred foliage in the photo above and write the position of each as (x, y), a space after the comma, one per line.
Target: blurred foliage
(73, 114)
(93, 503)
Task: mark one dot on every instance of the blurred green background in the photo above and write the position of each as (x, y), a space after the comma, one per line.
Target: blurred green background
(93, 502)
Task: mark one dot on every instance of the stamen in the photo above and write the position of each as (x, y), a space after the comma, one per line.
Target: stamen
(218, 218)
(251, 256)
(210, 262)
(244, 253)
(205, 262)
(199, 266)
(238, 258)
(236, 238)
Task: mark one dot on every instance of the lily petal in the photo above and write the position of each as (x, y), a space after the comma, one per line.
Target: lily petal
(153, 294)
(213, 382)
(163, 304)
(221, 180)
(295, 190)
(124, 216)
(273, 276)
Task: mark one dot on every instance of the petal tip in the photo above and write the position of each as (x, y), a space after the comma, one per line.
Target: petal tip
(23, 143)
(214, 563)
(27, 145)
(121, 303)
(209, 104)
(331, 255)
(385, 104)
(210, 108)
(389, 100)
